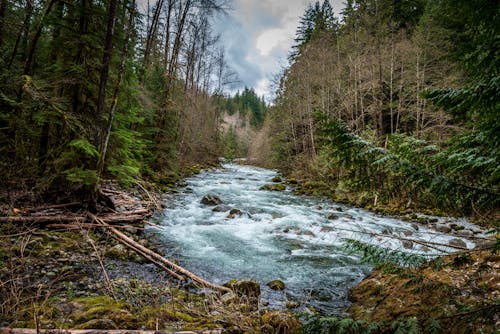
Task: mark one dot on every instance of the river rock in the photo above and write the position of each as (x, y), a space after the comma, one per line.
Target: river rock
(211, 199)
(457, 243)
(465, 233)
(277, 285)
(326, 229)
(291, 304)
(443, 228)
(407, 244)
(221, 208)
(332, 216)
(457, 227)
(273, 187)
(276, 179)
(244, 287)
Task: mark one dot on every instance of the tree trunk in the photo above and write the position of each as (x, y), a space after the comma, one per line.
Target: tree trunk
(114, 101)
(34, 42)
(108, 46)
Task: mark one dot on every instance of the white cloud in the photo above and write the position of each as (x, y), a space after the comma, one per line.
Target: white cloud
(273, 38)
(262, 88)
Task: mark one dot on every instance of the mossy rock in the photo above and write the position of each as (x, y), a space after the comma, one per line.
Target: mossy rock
(273, 187)
(244, 287)
(277, 285)
(276, 179)
(280, 322)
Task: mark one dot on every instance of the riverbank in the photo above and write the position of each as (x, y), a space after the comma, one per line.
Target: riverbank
(70, 276)
(54, 279)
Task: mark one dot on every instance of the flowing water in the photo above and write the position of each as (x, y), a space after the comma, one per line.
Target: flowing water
(297, 239)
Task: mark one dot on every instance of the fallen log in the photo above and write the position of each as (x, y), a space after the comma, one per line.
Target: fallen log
(127, 241)
(6, 330)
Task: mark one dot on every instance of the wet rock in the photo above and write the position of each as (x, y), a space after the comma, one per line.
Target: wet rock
(318, 207)
(326, 229)
(276, 179)
(407, 233)
(292, 180)
(235, 212)
(443, 228)
(273, 187)
(457, 227)
(221, 208)
(332, 216)
(457, 243)
(465, 233)
(211, 199)
(277, 285)
(407, 244)
(182, 184)
(279, 321)
(306, 232)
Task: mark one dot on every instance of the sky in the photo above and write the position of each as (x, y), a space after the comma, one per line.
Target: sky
(258, 36)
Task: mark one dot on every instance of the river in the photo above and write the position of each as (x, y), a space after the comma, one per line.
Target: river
(278, 235)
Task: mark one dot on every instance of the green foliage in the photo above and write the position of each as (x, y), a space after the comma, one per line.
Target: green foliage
(332, 325)
(84, 147)
(375, 254)
(246, 103)
(87, 177)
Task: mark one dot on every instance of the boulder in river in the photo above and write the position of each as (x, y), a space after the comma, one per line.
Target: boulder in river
(332, 216)
(221, 208)
(274, 187)
(457, 243)
(211, 199)
(443, 228)
(276, 179)
(277, 285)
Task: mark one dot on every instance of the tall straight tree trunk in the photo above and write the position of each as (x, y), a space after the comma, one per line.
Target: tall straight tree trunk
(170, 7)
(152, 30)
(36, 37)
(106, 58)
(114, 100)
(23, 35)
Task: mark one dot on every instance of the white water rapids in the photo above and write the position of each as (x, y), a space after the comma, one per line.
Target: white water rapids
(279, 236)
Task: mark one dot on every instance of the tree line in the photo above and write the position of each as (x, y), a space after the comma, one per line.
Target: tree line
(395, 100)
(96, 89)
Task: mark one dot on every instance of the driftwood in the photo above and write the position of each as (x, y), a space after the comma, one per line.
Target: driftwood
(6, 330)
(127, 241)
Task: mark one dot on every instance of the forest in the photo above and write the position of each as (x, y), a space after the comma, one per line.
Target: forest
(396, 103)
(391, 107)
(93, 90)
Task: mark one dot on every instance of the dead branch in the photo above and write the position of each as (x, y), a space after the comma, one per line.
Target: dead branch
(130, 242)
